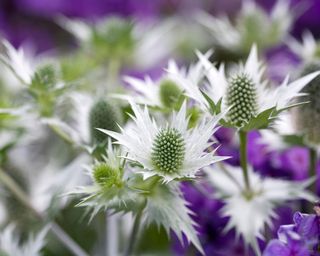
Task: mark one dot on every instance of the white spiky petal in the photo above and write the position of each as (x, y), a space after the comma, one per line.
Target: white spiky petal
(10, 243)
(249, 216)
(307, 49)
(139, 139)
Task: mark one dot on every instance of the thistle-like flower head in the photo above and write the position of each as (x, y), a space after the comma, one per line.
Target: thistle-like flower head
(252, 25)
(166, 92)
(171, 151)
(249, 213)
(109, 189)
(251, 102)
(104, 115)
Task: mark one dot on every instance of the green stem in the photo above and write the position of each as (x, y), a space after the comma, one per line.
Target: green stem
(134, 233)
(54, 227)
(243, 159)
(313, 166)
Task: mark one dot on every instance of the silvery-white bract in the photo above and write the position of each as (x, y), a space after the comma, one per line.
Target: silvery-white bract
(21, 61)
(250, 213)
(308, 49)
(171, 151)
(10, 243)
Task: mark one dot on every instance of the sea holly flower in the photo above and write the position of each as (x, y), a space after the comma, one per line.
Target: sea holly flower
(10, 243)
(249, 212)
(252, 25)
(118, 187)
(165, 93)
(86, 114)
(252, 104)
(110, 184)
(171, 151)
(300, 238)
(39, 75)
(123, 40)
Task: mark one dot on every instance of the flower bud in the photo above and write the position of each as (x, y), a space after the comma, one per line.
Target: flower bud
(103, 115)
(169, 93)
(106, 176)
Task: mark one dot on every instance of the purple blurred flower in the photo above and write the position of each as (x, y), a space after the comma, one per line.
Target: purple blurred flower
(300, 238)
(281, 62)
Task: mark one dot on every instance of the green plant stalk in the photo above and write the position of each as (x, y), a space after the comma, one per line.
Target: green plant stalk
(54, 227)
(313, 167)
(243, 160)
(134, 233)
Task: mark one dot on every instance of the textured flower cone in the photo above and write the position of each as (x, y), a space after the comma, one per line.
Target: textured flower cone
(169, 93)
(168, 151)
(241, 97)
(105, 116)
(106, 176)
(308, 116)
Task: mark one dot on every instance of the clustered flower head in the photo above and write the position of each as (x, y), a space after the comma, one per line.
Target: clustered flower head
(251, 101)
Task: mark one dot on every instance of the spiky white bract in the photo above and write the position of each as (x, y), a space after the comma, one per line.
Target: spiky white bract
(252, 25)
(10, 243)
(21, 61)
(167, 207)
(281, 127)
(266, 97)
(307, 50)
(151, 93)
(250, 213)
(143, 143)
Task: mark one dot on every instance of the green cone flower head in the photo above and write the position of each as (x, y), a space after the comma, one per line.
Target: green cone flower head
(168, 151)
(171, 152)
(104, 115)
(169, 93)
(106, 176)
(308, 115)
(242, 99)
